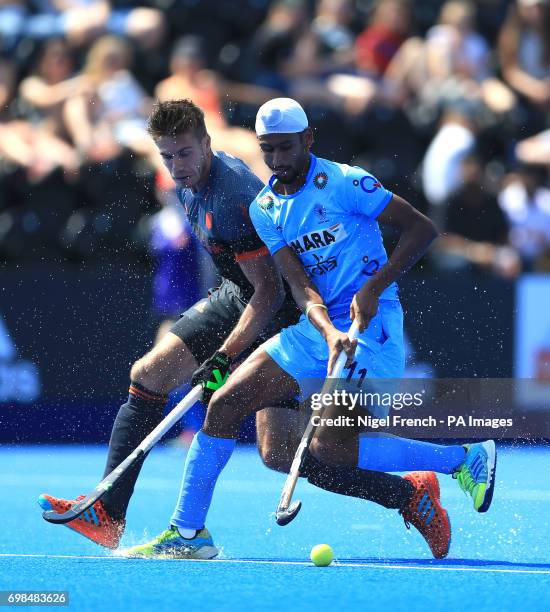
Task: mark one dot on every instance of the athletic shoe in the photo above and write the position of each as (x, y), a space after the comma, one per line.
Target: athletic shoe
(426, 513)
(476, 475)
(94, 524)
(171, 545)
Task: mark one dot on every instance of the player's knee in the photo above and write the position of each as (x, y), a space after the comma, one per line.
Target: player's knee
(140, 371)
(274, 457)
(223, 417)
(147, 372)
(325, 450)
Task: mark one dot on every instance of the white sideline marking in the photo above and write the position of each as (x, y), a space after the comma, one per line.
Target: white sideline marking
(300, 563)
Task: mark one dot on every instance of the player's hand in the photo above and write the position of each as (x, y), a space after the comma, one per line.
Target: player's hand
(337, 342)
(364, 307)
(212, 375)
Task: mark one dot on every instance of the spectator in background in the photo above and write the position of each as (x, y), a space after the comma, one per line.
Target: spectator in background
(451, 64)
(113, 115)
(524, 50)
(52, 81)
(12, 20)
(476, 231)
(389, 27)
(524, 53)
(8, 77)
(331, 27)
(535, 150)
(27, 145)
(454, 48)
(319, 65)
(325, 47)
(190, 78)
(81, 22)
(459, 88)
(271, 50)
(355, 84)
(35, 196)
(441, 166)
(43, 94)
(8, 86)
(309, 61)
(525, 199)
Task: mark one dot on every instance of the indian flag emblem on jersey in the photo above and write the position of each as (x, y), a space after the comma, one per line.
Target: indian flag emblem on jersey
(320, 180)
(266, 203)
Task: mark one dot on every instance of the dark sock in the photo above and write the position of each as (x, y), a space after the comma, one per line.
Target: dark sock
(387, 490)
(135, 420)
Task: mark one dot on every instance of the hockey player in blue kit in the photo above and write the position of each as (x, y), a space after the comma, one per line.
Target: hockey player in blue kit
(320, 221)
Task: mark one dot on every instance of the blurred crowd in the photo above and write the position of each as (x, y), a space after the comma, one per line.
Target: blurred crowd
(447, 103)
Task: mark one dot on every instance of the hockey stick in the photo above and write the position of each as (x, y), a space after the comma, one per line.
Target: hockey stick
(109, 481)
(286, 512)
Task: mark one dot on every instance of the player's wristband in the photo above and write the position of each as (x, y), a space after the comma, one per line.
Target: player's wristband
(314, 306)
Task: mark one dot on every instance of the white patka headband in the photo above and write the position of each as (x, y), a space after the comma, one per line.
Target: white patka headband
(281, 116)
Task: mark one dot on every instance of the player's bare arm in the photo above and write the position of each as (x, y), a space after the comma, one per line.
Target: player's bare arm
(309, 300)
(416, 234)
(266, 300)
(264, 303)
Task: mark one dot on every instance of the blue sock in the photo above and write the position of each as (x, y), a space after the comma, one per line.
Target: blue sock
(205, 460)
(385, 453)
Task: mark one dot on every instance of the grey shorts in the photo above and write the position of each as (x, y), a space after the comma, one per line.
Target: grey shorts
(206, 325)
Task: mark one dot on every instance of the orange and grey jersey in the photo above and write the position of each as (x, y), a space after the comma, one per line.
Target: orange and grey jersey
(219, 217)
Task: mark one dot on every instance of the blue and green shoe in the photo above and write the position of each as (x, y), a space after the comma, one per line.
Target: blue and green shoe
(476, 475)
(171, 545)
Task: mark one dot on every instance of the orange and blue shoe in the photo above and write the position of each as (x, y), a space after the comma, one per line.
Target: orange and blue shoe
(426, 513)
(94, 524)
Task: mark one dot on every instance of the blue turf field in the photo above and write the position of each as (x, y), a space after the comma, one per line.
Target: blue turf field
(500, 560)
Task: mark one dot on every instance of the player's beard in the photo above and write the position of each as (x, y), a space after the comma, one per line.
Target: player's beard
(295, 175)
(290, 177)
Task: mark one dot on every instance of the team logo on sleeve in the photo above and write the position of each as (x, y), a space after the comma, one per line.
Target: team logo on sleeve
(320, 180)
(369, 184)
(265, 202)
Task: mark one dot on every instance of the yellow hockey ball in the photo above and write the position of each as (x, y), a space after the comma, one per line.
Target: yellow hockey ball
(321, 555)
